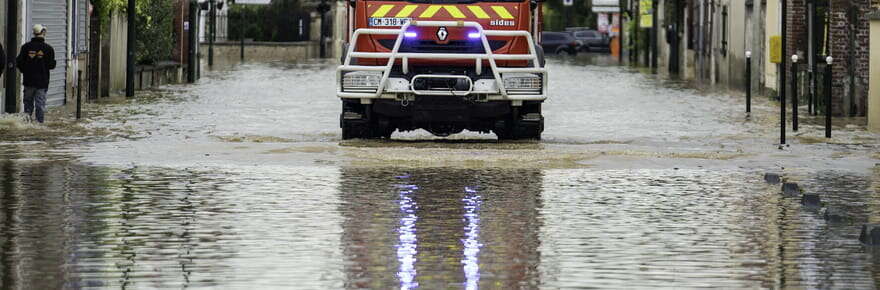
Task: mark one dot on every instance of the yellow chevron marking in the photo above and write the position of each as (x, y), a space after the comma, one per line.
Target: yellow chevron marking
(454, 11)
(406, 11)
(382, 10)
(428, 13)
(479, 12)
(502, 12)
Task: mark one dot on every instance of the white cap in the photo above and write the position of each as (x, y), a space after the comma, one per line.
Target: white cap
(829, 59)
(39, 29)
(794, 58)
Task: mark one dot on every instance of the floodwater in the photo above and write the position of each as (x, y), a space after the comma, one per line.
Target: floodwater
(241, 181)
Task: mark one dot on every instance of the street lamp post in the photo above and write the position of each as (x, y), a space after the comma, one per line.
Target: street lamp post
(794, 93)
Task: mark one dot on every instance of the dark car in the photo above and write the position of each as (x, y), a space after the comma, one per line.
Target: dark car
(559, 43)
(592, 40)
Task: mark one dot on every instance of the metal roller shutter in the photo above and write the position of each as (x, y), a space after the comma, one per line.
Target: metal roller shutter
(53, 15)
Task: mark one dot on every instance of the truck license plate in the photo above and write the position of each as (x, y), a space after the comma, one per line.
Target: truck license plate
(389, 21)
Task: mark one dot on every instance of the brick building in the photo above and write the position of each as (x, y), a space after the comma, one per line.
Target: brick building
(842, 30)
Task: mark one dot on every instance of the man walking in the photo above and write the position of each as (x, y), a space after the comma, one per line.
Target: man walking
(35, 61)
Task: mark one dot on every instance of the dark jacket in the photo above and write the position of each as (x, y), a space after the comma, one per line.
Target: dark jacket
(35, 61)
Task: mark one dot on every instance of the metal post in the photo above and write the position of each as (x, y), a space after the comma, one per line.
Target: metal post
(212, 18)
(654, 36)
(193, 41)
(241, 27)
(11, 102)
(637, 18)
(620, 33)
(748, 83)
(323, 7)
(811, 55)
(828, 105)
(79, 94)
(782, 75)
(794, 92)
(129, 58)
(321, 39)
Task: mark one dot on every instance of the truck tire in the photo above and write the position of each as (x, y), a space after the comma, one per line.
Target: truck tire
(366, 127)
(522, 124)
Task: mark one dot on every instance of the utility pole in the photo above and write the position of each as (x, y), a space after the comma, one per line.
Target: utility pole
(241, 29)
(323, 7)
(212, 17)
(193, 59)
(129, 58)
(11, 102)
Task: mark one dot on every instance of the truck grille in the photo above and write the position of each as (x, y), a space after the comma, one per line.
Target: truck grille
(454, 46)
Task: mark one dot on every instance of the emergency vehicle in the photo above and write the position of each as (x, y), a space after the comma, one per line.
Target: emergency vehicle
(444, 66)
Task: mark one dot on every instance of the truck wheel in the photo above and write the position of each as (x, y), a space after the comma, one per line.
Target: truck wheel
(356, 123)
(527, 125)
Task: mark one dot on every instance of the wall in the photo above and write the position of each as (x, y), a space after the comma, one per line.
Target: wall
(229, 52)
(340, 28)
(755, 43)
(874, 71)
(772, 28)
(850, 52)
(113, 56)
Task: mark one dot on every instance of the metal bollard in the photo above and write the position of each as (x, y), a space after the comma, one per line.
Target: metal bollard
(748, 83)
(782, 109)
(828, 105)
(79, 94)
(794, 93)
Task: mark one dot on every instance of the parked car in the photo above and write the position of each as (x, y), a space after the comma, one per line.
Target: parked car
(592, 40)
(560, 43)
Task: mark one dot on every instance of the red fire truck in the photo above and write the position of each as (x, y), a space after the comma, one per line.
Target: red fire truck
(444, 66)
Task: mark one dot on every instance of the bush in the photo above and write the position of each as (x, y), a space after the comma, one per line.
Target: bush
(155, 31)
(277, 22)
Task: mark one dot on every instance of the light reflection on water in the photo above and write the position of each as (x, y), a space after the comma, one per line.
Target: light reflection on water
(64, 224)
(472, 245)
(407, 246)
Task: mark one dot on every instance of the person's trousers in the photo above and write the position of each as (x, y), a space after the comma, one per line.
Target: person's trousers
(35, 102)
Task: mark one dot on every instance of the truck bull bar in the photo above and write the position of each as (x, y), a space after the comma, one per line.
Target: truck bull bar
(488, 55)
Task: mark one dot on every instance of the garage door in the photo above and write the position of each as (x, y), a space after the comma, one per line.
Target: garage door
(53, 15)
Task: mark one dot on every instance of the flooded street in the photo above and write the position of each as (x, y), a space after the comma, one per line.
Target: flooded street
(242, 181)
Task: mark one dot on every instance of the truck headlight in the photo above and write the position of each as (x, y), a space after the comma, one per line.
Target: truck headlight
(523, 83)
(361, 81)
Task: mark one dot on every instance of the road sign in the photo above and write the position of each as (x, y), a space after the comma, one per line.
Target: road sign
(568, 2)
(776, 49)
(646, 14)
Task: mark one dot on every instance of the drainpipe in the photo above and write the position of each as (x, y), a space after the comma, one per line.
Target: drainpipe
(11, 102)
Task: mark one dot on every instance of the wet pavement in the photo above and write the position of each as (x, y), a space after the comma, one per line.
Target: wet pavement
(242, 181)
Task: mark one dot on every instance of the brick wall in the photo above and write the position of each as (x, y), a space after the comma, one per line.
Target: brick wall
(797, 37)
(849, 47)
(848, 44)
